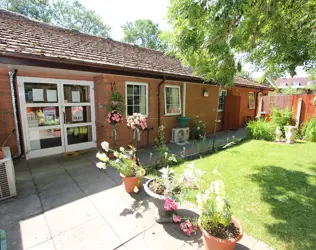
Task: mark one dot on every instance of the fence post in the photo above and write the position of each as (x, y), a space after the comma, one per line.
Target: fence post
(298, 112)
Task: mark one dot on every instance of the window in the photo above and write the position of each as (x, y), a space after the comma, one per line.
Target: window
(136, 98)
(221, 101)
(172, 100)
(297, 84)
(251, 100)
(284, 84)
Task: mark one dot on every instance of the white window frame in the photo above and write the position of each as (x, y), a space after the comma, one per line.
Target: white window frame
(165, 99)
(139, 84)
(254, 100)
(220, 95)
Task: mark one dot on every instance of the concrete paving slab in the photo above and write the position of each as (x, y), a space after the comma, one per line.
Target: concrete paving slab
(120, 208)
(47, 245)
(34, 231)
(94, 234)
(158, 238)
(60, 195)
(262, 246)
(246, 242)
(114, 175)
(94, 183)
(63, 218)
(24, 184)
(16, 209)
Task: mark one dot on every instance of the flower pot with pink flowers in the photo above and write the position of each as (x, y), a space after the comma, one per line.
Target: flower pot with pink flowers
(220, 230)
(114, 117)
(137, 123)
(126, 163)
(167, 190)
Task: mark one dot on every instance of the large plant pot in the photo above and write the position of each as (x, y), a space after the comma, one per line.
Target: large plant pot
(213, 243)
(183, 122)
(131, 182)
(161, 215)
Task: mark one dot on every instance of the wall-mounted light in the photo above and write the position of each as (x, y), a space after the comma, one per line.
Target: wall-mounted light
(205, 92)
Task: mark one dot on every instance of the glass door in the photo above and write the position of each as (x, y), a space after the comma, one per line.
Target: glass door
(78, 115)
(41, 115)
(57, 115)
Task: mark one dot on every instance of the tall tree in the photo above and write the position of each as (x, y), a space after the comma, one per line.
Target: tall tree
(144, 33)
(68, 14)
(275, 35)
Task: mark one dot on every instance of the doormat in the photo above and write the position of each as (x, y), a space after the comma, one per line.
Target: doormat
(74, 153)
(183, 143)
(3, 240)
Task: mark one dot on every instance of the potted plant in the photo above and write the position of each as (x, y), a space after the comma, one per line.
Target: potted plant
(116, 102)
(126, 163)
(198, 129)
(220, 230)
(137, 123)
(114, 117)
(166, 190)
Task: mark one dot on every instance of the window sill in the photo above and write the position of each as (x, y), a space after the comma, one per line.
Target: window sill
(173, 114)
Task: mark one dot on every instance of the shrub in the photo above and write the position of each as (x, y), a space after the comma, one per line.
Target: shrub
(198, 129)
(261, 130)
(281, 117)
(309, 130)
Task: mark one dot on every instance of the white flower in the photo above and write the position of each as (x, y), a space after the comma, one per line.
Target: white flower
(105, 146)
(101, 165)
(116, 154)
(166, 154)
(136, 189)
(122, 149)
(102, 157)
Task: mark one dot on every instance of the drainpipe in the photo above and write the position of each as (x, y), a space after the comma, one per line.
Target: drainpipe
(184, 98)
(17, 121)
(158, 96)
(215, 127)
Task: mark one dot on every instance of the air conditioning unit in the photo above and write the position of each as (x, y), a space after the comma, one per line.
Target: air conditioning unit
(180, 134)
(7, 175)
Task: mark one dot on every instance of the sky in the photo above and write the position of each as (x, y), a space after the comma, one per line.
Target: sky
(115, 13)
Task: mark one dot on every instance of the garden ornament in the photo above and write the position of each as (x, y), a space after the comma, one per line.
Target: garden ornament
(290, 133)
(278, 134)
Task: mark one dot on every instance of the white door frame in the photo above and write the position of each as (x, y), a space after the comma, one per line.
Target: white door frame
(63, 127)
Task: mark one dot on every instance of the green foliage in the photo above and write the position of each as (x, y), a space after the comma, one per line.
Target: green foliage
(144, 33)
(276, 36)
(312, 88)
(281, 118)
(309, 130)
(215, 208)
(160, 139)
(68, 14)
(261, 130)
(198, 129)
(117, 99)
(292, 91)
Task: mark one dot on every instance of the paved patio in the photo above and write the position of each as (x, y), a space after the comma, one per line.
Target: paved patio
(68, 203)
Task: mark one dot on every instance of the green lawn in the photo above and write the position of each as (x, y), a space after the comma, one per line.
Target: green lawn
(272, 189)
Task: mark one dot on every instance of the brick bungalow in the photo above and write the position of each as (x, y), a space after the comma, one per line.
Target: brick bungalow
(59, 82)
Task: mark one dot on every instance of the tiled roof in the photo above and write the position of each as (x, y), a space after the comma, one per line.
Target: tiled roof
(23, 36)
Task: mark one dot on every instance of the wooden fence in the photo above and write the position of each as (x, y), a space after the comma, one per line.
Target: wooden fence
(302, 105)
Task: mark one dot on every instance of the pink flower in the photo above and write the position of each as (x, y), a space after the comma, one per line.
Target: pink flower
(176, 219)
(170, 204)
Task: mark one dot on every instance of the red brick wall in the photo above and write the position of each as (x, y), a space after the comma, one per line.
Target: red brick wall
(244, 110)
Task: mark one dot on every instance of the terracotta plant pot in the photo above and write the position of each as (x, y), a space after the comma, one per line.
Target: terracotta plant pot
(1, 154)
(131, 182)
(213, 243)
(161, 216)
